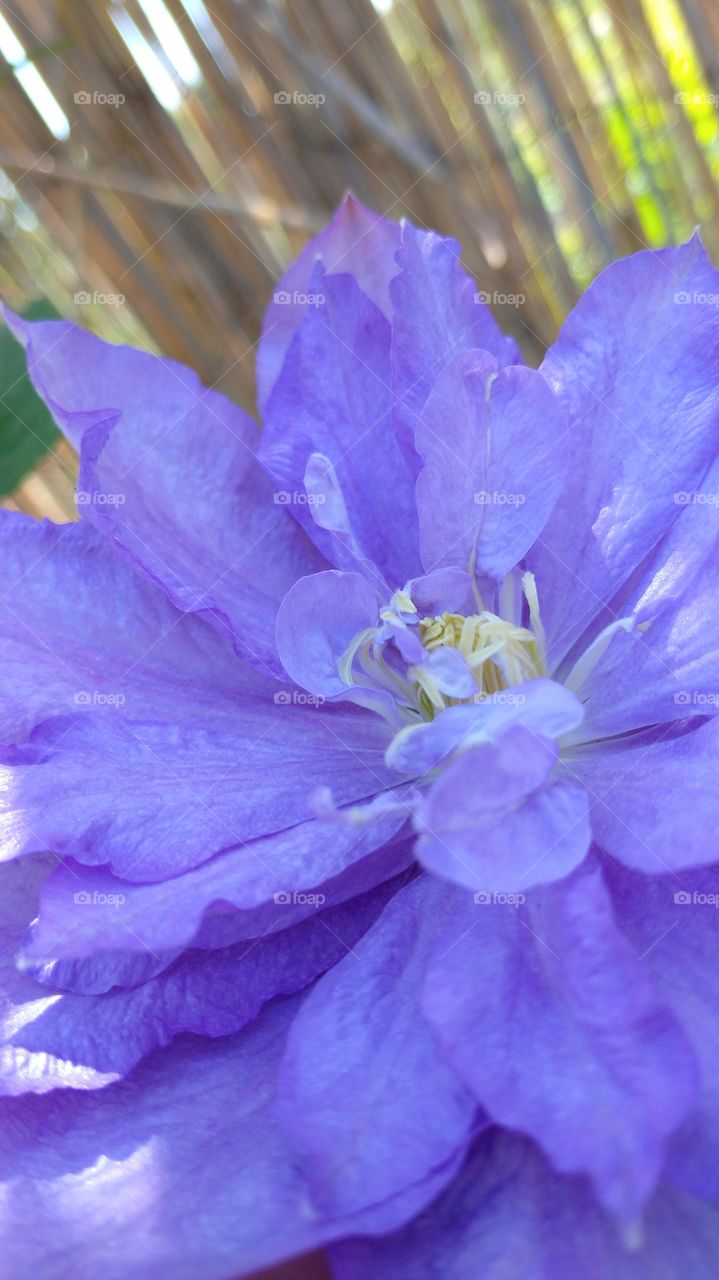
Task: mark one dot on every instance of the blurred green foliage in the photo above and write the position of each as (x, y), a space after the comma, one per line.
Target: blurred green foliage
(27, 430)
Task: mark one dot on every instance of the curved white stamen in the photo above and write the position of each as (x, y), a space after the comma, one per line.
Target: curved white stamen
(529, 587)
(423, 679)
(344, 666)
(475, 660)
(585, 665)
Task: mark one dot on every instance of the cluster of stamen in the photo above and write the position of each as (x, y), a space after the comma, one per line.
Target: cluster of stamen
(499, 654)
(388, 671)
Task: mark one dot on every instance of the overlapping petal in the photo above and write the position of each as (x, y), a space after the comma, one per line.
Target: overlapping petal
(357, 242)
(153, 800)
(541, 706)
(517, 829)
(180, 1170)
(48, 1040)
(80, 629)
(318, 619)
(654, 801)
(169, 472)
(509, 1215)
(547, 1014)
(334, 398)
(672, 921)
(667, 666)
(265, 884)
(437, 313)
(55, 1064)
(492, 442)
(361, 1036)
(636, 370)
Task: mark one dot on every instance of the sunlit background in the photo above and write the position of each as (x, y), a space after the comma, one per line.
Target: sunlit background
(162, 160)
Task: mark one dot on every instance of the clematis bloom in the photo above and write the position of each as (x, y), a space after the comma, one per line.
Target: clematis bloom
(357, 790)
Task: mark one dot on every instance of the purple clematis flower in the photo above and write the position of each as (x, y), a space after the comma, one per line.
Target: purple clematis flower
(358, 799)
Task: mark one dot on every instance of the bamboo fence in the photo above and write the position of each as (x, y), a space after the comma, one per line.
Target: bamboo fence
(194, 145)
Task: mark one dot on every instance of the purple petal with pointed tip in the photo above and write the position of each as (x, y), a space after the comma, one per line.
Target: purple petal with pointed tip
(361, 1036)
(509, 1217)
(437, 314)
(492, 443)
(168, 471)
(356, 241)
(567, 1039)
(334, 398)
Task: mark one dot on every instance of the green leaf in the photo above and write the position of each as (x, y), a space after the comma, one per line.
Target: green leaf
(27, 431)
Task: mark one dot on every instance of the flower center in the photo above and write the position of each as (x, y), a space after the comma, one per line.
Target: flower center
(405, 670)
(498, 653)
